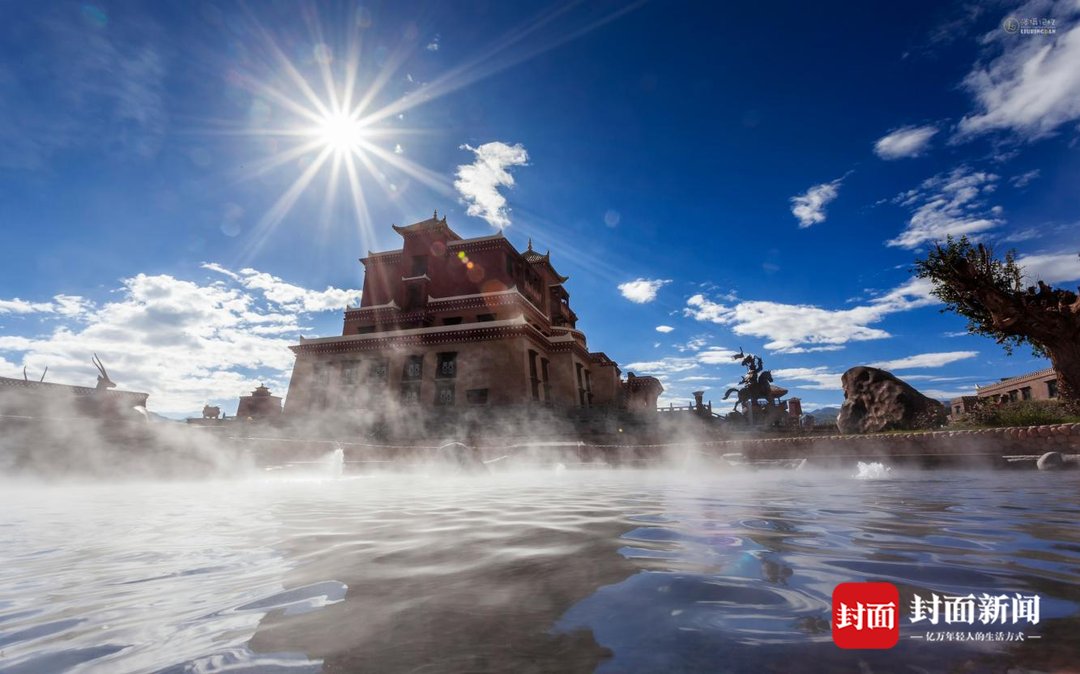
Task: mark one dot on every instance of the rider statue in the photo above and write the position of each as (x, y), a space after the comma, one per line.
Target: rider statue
(752, 364)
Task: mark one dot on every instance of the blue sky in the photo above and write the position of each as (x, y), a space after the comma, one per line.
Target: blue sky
(709, 177)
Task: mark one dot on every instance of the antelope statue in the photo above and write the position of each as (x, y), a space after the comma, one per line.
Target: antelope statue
(103, 381)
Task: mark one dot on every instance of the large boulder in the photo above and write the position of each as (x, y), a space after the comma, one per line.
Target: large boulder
(875, 400)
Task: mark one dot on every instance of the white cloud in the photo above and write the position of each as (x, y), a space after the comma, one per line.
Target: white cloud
(908, 141)
(949, 203)
(695, 343)
(662, 366)
(690, 366)
(287, 295)
(18, 306)
(642, 291)
(433, 45)
(809, 208)
(925, 360)
(1024, 179)
(1051, 268)
(664, 328)
(479, 182)
(799, 328)
(819, 377)
(184, 342)
(814, 349)
(62, 305)
(1031, 86)
(1022, 235)
(716, 355)
(942, 394)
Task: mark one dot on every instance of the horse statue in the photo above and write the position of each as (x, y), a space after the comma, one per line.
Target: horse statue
(760, 389)
(103, 381)
(209, 412)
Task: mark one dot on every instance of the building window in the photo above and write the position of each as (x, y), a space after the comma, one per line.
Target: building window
(413, 299)
(1025, 393)
(510, 265)
(581, 385)
(452, 320)
(534, 379)
(410, 393)
(365, 329)
(447, 366)
(1051, 388)
(546, 380)
(477, 396)
(414, 368)
(485, 318)
(444, 393)
(419, 265)
(1013, 396)
(350, 372)
(379, 370)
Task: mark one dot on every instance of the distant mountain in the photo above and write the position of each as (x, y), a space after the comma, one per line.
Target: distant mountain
(824, 415)
(155, 417)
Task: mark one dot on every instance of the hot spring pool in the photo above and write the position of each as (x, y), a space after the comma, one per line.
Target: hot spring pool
(536, 571)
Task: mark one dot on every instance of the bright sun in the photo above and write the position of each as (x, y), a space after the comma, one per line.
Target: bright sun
(340, 132)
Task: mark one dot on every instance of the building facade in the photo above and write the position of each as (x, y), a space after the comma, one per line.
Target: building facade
(261, 404)
(452, 324)
(1038, 385)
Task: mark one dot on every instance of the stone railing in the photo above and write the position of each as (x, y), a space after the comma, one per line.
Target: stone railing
(993, 445)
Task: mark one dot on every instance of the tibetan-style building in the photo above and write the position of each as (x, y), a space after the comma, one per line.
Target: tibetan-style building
(261, 404)
(452, 324)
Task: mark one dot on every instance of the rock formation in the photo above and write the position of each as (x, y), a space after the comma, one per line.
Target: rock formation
(875, 400)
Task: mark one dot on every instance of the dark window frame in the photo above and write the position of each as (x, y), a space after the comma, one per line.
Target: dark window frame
(442, 386)
(477, 396)
(410, 393)
(442, 359)
(419, 265)
(418, 361)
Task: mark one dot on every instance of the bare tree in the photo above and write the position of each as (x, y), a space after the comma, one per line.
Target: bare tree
(992, 295)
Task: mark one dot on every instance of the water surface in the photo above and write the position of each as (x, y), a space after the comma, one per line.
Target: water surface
(537, 571)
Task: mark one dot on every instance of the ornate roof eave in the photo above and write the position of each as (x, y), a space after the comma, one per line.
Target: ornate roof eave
(533, 257)
(431, 224)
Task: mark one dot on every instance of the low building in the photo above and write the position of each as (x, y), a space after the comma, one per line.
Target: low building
(962, 405)
(446, 324)
(259, 405)
(19, 397)
(1038, 385)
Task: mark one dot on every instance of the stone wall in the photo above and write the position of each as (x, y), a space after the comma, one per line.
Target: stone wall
(991, 445)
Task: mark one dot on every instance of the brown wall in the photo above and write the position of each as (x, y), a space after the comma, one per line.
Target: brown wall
(1035, 386)
(501, 366)
(606, 385)
(940, 445)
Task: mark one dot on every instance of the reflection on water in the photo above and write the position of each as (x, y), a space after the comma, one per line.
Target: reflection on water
(568, 571)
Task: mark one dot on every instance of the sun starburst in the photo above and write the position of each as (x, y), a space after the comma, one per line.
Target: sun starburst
(334, 115)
